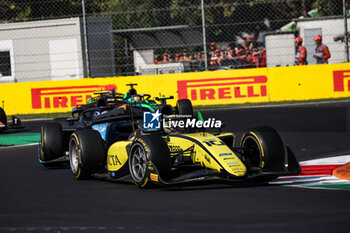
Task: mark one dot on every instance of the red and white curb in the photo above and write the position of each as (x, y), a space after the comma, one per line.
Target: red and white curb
(318, 173)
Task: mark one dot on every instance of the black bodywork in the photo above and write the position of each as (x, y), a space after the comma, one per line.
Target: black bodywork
(4, 125)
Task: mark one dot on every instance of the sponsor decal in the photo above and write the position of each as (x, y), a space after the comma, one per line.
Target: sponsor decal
(174, 148)
(65, 97)
(154, 177)
(214, 143)
(230, 163)
(223, 88)
(341, 79)
(102, 129)
(151, 120)
(113, 160)
(225, 154)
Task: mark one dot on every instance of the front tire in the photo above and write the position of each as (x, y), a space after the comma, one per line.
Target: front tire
(263, 148)
(148, 148)
(87, 154)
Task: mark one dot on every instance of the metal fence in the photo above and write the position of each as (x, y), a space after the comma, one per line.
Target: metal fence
(138, 37)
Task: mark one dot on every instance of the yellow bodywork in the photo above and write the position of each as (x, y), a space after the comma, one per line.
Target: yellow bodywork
(117, 155)
(209, 151)
(203, 148)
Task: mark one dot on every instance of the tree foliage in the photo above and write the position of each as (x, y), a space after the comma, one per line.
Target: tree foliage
(152, 13)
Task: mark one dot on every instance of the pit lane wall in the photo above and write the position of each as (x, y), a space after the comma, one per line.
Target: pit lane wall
(203, 88)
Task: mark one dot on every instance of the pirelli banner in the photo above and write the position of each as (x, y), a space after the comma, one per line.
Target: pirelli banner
(203, 88)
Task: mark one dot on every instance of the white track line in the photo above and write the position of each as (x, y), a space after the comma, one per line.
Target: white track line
(17, 146)
(343, 159)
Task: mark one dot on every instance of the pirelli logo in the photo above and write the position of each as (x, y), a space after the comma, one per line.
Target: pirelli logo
(65, 97)
(223, 88)
(341, 80)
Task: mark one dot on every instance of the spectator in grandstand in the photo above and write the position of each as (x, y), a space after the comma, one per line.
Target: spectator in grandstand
(255, 57)
(198, 56)
(193, 61)
(322, 53)
(221, 57)
(232, 61)
(231, 53)
(259, 57)
(212, 48)
(156, 59)
(184, 56)
(201, 59)
(225, 53)
(165, 58)
(177, 57)
(228, 48)
(215, 59)
(250, 42)
(245, 44)
(191, 57)
(301, 53)
(170, 58)
(246, 58)
(263, 57)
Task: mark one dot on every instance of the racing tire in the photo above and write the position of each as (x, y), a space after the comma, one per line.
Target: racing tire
(3, 119)
(184, 107)
(87, 154)
(148, 148)
(51, 142)
(263, 148)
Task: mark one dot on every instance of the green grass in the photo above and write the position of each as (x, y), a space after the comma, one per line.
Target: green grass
(198, 107)
(42, 115)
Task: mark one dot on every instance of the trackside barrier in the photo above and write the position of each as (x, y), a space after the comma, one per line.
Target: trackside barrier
(203, 88)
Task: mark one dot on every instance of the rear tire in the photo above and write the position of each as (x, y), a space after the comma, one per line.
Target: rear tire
(148, 148)
(184, 107)
(263, 148)
(3, 119)
(51, 141)
(87, 154)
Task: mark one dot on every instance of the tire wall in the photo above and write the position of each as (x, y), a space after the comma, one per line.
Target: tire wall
(261, 85)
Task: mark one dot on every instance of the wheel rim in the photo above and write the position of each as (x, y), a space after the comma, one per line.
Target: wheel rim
(74, 156)
(138, 163)
(252, 151)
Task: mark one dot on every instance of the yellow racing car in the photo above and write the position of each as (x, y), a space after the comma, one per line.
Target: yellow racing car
(178, 155)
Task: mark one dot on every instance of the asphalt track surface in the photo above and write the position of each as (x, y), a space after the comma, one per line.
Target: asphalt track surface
(35, 199)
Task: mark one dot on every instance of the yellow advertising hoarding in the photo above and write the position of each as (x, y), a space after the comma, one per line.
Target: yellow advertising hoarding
(203, 88)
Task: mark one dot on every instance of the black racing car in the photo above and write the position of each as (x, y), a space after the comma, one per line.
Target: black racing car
(15, 124)
(53, 149)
